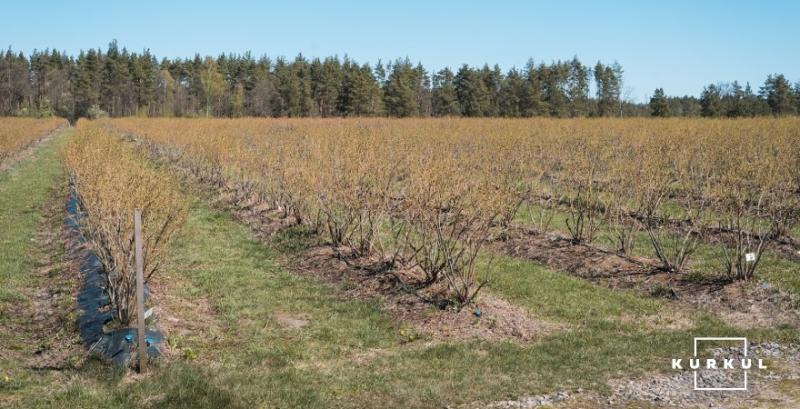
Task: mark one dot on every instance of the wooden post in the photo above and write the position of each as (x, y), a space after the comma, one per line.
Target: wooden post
(137, 236)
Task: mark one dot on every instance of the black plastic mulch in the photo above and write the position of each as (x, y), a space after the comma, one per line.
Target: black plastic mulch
(119, 345)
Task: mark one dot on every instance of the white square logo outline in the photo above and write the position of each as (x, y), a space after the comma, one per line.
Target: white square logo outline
(744, 342)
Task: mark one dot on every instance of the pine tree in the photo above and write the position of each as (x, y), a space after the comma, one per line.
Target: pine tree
(301, 71)
(213, 84)
(493, 80)
(532, 103)
(259, 98)
(444, 99)
(14, 85)
(779, 95)
(711, 101)
(609, 87)
(423, 90)
(121, 83)
(144, 77)
(512, 94)
(658, 104)
(473, 96)
(400, 92)
(797, 97)
(733, 100)
(326, 79)
(359, 94)
(86, 82)
(380, 74)
(578, 88)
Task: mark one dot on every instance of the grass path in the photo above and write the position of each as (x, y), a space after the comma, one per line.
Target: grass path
(23, 190)
(29, 271)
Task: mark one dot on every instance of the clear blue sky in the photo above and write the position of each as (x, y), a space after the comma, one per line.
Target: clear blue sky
(678, 45)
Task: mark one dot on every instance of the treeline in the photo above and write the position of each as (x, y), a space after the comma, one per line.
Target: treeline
(120, 83)
(117, 83)
(775, 97)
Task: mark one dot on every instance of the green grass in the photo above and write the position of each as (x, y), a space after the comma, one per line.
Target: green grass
(23, 190)
(560, 297)
(247, 287)
(795, 232)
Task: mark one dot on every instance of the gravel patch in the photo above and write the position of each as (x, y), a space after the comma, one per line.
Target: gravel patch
(677, 389)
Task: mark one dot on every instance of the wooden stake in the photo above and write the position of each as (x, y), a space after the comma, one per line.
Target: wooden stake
(137, 236)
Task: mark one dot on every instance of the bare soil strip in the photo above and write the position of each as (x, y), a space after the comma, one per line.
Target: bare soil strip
(498, 319)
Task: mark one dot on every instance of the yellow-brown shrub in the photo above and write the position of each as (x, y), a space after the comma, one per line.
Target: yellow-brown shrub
(111, 180)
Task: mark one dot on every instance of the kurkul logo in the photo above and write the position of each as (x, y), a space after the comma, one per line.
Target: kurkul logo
(742, 364)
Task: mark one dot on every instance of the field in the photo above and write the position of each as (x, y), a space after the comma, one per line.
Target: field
(459, 263)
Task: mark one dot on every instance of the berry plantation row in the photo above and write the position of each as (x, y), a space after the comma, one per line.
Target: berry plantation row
(110, 180)
(429, 193)
(18, 133)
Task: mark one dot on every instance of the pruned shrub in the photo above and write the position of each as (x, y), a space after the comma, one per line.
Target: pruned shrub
(111, 180)
(753, 211)
(667, 193)
(450, 214)
(585, 210)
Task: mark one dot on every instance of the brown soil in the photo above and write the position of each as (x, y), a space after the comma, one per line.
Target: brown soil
(292, 321)
(578, 259)
(262, 219)
(788, 247)
(739, 303)
(422, 310)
